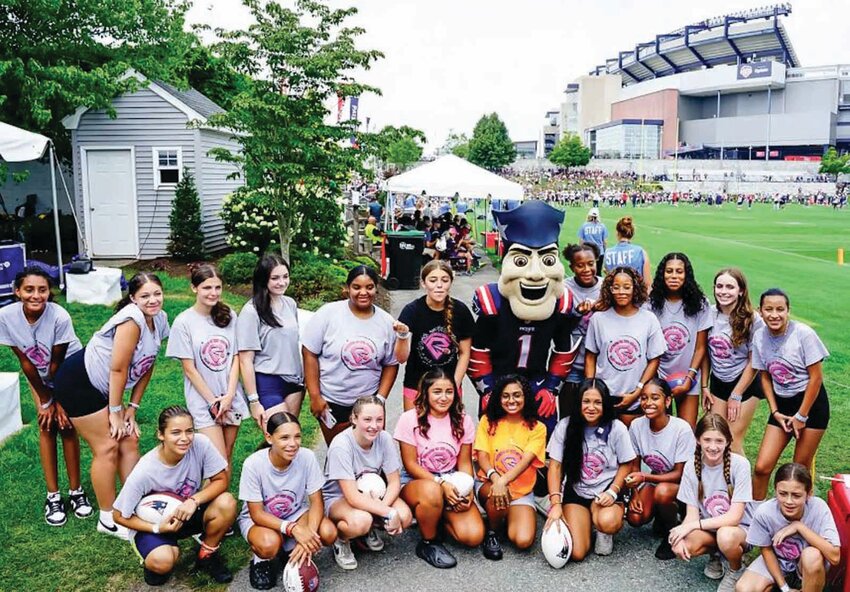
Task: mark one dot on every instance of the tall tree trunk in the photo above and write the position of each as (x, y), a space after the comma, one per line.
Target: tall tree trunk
(284, 230)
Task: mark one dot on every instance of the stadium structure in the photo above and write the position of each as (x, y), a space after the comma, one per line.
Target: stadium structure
(729, 87)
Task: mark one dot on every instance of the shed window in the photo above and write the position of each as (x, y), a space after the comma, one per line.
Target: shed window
(166, 163)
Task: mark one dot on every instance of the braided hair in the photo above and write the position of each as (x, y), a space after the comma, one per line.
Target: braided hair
(742, 315)
(422, 403)
(714, 422)
(448, 307)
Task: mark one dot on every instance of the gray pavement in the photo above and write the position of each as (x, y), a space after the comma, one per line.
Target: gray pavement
(631, 567)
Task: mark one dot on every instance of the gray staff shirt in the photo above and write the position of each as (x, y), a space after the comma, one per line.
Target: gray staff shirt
(787, 357)
(276, 349)
(36, 341)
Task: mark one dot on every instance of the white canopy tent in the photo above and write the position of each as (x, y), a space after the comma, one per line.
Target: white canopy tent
(450, 175)
(18, 145)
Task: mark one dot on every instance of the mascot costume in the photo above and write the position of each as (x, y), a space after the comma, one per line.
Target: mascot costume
(527, 312)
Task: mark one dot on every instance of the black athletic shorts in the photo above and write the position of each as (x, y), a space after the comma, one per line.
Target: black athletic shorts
(73, 389)
(571, 497)
(722, 390)
(818, 414)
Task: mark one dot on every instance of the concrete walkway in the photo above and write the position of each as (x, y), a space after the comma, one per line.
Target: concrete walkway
(632, 566)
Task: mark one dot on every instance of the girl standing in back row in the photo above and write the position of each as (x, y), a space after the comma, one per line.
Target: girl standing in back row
(626, 254)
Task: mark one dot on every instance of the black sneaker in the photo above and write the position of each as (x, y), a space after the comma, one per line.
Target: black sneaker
(491, 547)
(154, 579)
(54, 511)
(664, 552)
(80, 504)
(435, 554)
(215, 568)
(263, 575)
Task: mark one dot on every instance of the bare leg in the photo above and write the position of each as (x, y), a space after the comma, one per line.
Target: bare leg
(218, 518)
(774, 442)
(71, 453)
(94, 428)
(578, 520)
(49, 460)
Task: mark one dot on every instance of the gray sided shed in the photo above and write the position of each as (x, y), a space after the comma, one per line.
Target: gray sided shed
(125, 169)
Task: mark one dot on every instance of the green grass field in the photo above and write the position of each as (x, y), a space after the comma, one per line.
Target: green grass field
(794, 249)
(35, 556)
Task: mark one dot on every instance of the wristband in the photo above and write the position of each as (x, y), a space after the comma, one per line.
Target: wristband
(694, 370)
(116, 408)
(133, 405)
(785, 587)
(255, 398)
(490, 473)
(403, 336)
(704, 387)
(439, 479)
(639, 385)
(156, 528)
(612, 493)
(801, 418)
(284, 526)
(774, 412)
(700, 524)
(46, 405)
(735, 397)
(558, 493)
(383, 398)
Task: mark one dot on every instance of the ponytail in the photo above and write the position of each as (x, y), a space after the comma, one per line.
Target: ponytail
(221, 314)
(134, 285)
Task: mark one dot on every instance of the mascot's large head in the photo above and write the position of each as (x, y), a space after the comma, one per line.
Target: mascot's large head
(532, 276)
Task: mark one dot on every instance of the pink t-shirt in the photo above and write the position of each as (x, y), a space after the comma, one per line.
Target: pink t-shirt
(438, 452)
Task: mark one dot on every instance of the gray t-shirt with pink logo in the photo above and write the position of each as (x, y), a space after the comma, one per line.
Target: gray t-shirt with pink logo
(195, 337)
(728, 361)
(787, 357)
(98, 355)
(277, 350)
(580, 295)
(36, 341)
(352, 351)
(680, 333)
(715, 495)
(661, 451)
(284, 493)
(604, 451)
(623, 346)
(348, 460)
(768, 520)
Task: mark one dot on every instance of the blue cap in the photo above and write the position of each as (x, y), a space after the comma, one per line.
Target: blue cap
(534, 224)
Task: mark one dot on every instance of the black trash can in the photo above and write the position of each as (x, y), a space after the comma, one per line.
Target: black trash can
(404, 254)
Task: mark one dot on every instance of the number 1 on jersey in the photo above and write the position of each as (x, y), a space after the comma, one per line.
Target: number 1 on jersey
(524, 350)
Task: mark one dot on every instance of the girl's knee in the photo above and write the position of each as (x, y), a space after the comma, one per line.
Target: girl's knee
(162, 559)
(225, 505)
(267, 544)
(327, 532)
(359, 522)
(729, 539)
(811, 561)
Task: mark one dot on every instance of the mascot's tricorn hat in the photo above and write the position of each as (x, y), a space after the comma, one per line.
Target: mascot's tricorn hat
(534, 224)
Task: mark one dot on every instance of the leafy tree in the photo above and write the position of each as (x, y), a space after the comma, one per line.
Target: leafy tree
(379, 143)
(570, 152)
(403, 152)
(834, 164)
(298, 60)
(186, 240)
(491, 146)
(457, 144)
(57, 55)
(212, 76)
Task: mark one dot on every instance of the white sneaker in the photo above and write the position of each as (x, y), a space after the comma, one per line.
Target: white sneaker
(115, 530)
(373, 541)
(714, 568)
(727, 584)
(604, 544)
(54, 510)
(344, 556)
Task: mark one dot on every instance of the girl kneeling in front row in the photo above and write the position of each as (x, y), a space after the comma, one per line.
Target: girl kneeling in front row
(664, 444)
(179, 465)
(436, 443)
(590, 454)
(358, 450)
(797, 536)
(283, 514)
(716, 487)
(510, 445)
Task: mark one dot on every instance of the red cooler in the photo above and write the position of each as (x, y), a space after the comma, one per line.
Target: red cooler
(838, 499)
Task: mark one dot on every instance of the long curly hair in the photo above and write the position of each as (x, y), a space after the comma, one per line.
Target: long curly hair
(606, 296)
(495, 412)
(714, 422)
(742, 315)
(423, 405)
(693, 299)
(573, 455)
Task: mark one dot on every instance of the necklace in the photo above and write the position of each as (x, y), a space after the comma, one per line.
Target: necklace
(777, 341)
(672, 309)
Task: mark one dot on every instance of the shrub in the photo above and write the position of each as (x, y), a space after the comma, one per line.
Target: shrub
(238, 268)
(186, 240)
(250, 226)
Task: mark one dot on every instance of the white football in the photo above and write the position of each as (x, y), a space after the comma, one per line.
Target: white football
(154, 507)
(463, 482)
(557, 544)
(372, 484)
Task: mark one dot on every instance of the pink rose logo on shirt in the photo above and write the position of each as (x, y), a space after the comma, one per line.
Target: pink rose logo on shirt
(358, 353)
(214, 353)
(507, 459)
(39, 355)
(677, 337)
(623, 353)
(141, 366)
(440, 458)
(435, 347)
(282, 504)
(717, 504)
(657, 463)
(592, 465)
(781, 371)
(187, 488)
(720, 346)
(788, 552)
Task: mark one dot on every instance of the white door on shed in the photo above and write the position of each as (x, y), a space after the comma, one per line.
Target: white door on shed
(111, 202)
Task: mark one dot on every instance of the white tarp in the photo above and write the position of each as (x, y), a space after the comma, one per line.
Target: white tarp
(17, 145)
(450, 174)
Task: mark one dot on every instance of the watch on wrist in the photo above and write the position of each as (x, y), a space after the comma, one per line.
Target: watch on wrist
(785, 587)
(801, 418)
(116, 408)
(156, 528)
(639, 385)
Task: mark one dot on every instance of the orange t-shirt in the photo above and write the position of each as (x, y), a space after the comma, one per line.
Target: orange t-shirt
(506, 448)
